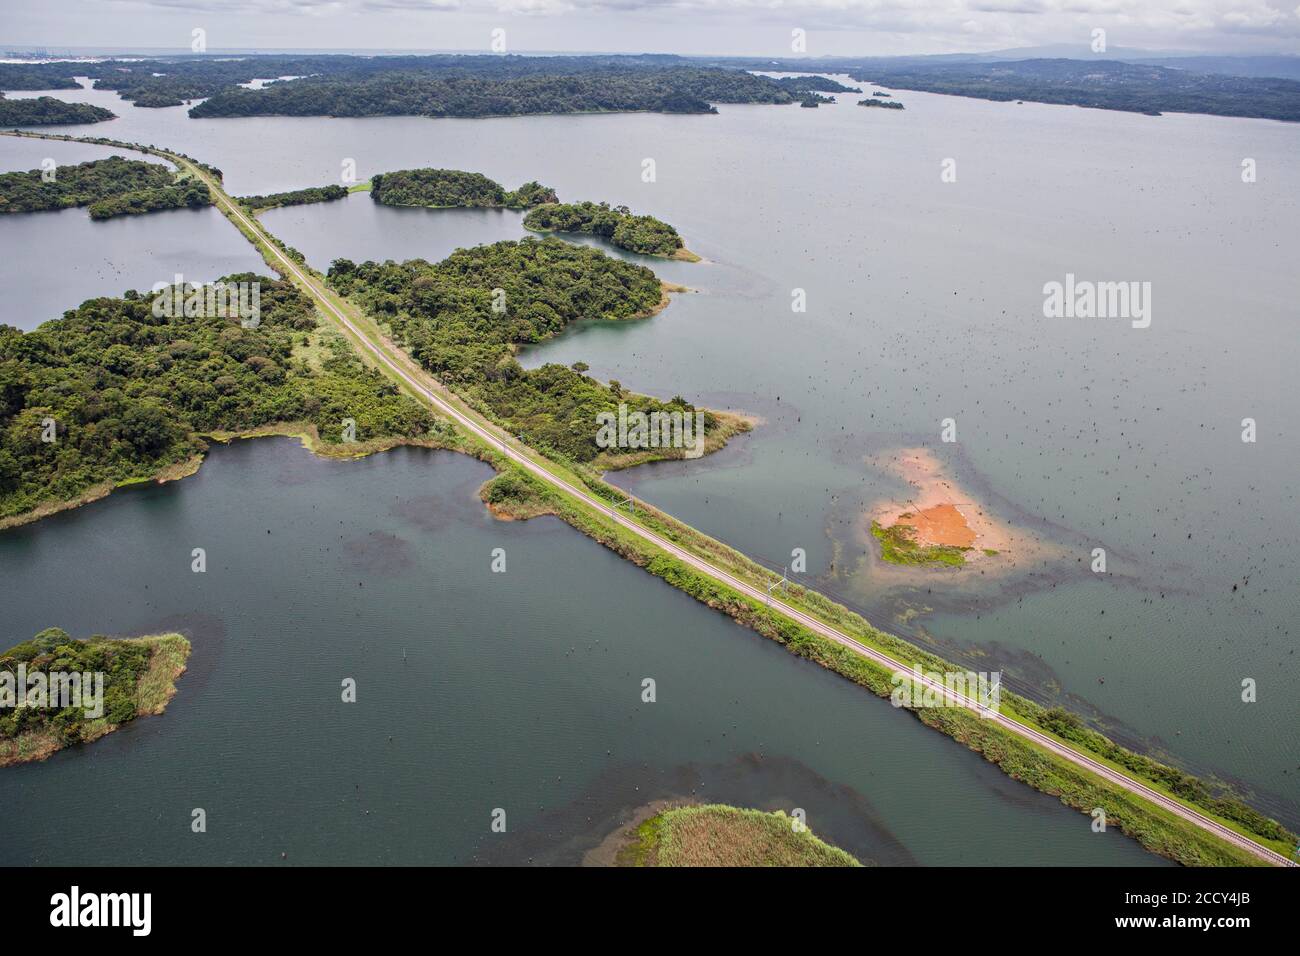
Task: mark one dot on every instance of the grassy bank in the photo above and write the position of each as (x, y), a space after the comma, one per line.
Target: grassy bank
(139, 679)
(719, 835)
(899, 546)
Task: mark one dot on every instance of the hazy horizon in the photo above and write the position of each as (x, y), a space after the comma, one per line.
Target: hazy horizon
(716, 27)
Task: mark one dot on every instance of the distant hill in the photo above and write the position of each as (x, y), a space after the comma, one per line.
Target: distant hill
(1101, 84)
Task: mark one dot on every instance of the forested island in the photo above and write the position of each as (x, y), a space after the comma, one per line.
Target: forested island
(1101, 84)
(453, 188)
(444, 316)
(644, 234)
(48, 111)
(800, 85)
(599, 89)
(109, 187)
(1177, 85)
(184, 194)
(720, 835)
(112, 394)
(296, 197)
(79, 185)
(882, 104)
(30, 77)
(138, 678)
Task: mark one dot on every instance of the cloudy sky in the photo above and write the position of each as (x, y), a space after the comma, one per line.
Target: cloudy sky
(758, 27)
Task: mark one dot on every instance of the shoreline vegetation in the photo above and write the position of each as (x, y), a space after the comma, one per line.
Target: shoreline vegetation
(641, 234)
(295, 197)
(717, 835)
(111, 394)
(50, 111)
(107, 187)
(882, 104)
(1157, 828)
(453, 189)
(560, 86)
(139, 677)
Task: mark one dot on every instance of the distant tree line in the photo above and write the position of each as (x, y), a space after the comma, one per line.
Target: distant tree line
(460, 85)
(440, 85)
(1101, 84)
(446, 188)
(804, 84)
(38, 76)
(603, 89)
(643, 234)
(48, 111)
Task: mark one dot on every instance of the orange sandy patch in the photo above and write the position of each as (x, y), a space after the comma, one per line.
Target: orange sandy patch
(942, 512)
(940, 524)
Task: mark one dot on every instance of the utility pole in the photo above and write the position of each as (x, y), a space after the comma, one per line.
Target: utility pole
(776, 584)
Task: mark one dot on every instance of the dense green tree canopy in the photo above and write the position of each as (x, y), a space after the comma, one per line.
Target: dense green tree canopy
(186, 194)
(79, 185)
(454, 323)
(122, 664)
(644, 234)
(445, 188)
(48, 111)
(127, 392)
(297, 197)
(488, 93)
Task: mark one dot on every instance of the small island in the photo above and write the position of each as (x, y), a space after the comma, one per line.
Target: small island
(941, 524)
(720, 835)
(454, 189)
(891, 105)
(108, 187)
(901, 543)
(48, 111)
(643, 234)
(296, 197)
(803, 85)
(56, 691)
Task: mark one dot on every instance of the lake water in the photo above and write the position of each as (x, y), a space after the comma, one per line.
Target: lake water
(924, 303)
(475, 690)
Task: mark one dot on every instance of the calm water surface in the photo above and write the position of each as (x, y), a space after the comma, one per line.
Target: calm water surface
(475, 690)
